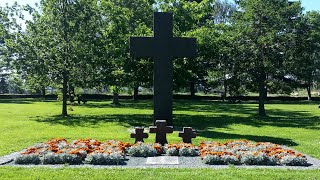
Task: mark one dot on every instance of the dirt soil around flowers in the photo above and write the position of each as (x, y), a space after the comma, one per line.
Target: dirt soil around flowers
(110, 154)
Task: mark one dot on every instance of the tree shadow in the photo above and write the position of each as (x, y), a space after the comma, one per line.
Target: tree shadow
(201, 124)
(197, 106)
(218, 117)
(206, 115)
(222, 135)
(16, 101)
(131, 120)
(178, 105)
(25, 101)
(123, 104)
(213, 107)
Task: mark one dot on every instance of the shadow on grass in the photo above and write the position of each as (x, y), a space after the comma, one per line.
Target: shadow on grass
(202, 124)
(94, 120)
(221, 135)
(16, 101)
(123, 104)
(24, 101)
(206, 115)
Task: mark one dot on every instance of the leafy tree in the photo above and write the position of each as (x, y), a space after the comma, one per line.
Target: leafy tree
(264, 27)
(58, 46)
(304, 63)
(197, 19)
(125, 19)
(188, 16)
(4, 84)
(8, 28)
(16, 85)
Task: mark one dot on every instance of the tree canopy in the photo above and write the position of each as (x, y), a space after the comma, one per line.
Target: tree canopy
(246, 46)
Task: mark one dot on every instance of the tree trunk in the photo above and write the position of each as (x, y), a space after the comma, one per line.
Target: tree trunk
(115, 99)
(225, 86)
(43, 91)
(64, 94)
(135, 93)
(262, 94)
(71, 94)
(192, 90)
(309, 91)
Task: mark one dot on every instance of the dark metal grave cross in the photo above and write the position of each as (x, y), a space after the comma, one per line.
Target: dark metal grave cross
(187, 134)
(161, 129)
(163, 47)
(138, 134)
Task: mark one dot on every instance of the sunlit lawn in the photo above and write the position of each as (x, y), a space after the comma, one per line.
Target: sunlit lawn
(26, 122)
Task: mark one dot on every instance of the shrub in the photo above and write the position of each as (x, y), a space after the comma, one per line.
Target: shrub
(251, 159)
(172, 151)
(184, 151)
(142, 150)
(230, 159)
(27, 159)
(290, 160)
(181, 149)
(212, 160)
(105, 159)
(62, 159)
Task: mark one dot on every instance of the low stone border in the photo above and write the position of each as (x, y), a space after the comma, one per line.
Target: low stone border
(8, 158)
(139, 162)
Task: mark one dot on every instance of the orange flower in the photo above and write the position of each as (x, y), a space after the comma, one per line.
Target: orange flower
(157, 147)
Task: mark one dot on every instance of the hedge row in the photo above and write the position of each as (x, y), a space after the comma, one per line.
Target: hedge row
(145, 97)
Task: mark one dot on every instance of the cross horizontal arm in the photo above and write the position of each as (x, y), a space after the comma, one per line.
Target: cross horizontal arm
(169, 129)
(142, 47)
(184, 47)
(153, 129)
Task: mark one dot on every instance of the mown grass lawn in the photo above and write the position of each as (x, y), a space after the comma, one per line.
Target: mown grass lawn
(25, 122)
(162, 173)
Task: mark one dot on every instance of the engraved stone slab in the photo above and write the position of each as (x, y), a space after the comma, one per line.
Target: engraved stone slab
(163, 160)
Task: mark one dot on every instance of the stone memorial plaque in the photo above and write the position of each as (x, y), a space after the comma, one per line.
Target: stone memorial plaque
(163, 160)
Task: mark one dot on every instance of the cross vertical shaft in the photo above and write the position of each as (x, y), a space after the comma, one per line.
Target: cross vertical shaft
(163, 68)
(163, 47)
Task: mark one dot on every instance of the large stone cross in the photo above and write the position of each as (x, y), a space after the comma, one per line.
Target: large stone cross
(161, 129)
(163, 47)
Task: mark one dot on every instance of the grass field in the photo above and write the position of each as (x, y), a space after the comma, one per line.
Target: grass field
(25, 122)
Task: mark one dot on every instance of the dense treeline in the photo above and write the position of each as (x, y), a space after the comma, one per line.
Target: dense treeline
(246, 46)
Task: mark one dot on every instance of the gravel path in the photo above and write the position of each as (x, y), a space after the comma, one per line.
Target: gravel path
(184, 162)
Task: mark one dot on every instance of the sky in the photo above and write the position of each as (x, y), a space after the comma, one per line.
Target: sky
(309, 5)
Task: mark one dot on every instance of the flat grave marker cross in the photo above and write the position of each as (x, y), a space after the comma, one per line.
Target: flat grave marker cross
(187, 134)
(163, 47)
(139, 134)
(161, 129)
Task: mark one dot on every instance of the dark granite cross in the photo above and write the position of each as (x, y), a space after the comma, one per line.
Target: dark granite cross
(161, 129)
(138, 134)
(187, 134)
(163, 47)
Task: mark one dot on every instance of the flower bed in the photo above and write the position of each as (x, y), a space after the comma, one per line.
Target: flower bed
(59, 151)
(88, 151)
(148, 150)
(181, 149)
(249, 153)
